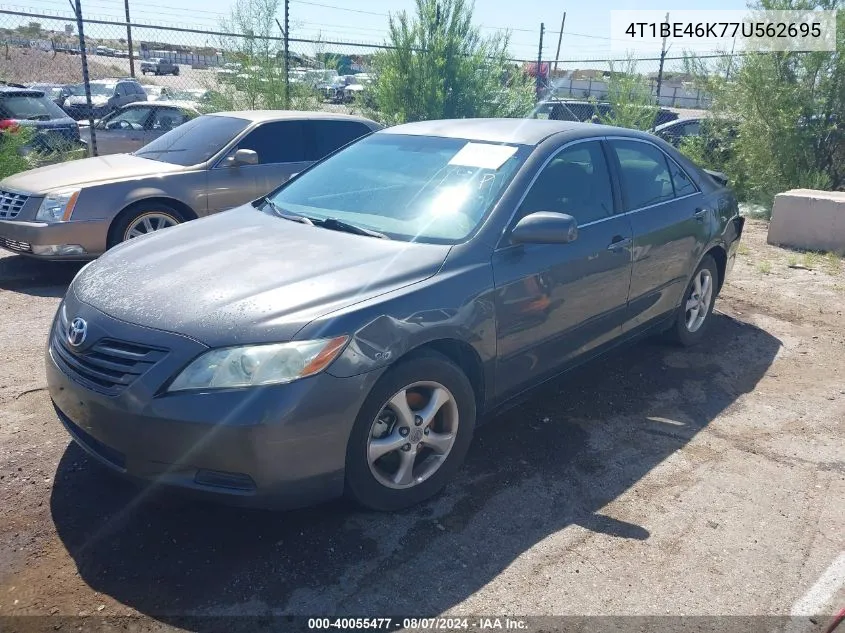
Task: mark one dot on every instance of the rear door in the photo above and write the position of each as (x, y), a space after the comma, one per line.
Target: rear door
(671, 223)
(555, 302)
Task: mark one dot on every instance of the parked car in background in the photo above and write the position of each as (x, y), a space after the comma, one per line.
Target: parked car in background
(57, 93)
(598, 111)
(345, 333)
(554, 110)
(676, 131)
(78, 209)
(159, 66)
(107, 95)
(156, 93)
(137, 124)
(29, 108)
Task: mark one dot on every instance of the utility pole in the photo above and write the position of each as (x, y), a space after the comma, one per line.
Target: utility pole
(83, 54)
(662, 59)
(129, 41)
(559, 39)
(730, 61)
(539, 81)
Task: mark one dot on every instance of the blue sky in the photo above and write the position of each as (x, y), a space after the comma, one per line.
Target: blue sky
(585, 35)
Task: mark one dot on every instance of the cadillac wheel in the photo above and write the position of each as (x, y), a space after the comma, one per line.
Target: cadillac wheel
(142, 219)
(411, 434)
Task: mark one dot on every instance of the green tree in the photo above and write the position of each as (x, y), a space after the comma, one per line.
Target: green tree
(439, 66)
(630, 93)
(781, 113)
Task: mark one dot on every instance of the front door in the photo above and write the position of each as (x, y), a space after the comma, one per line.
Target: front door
(671, 223)
(555, 302)
(122, 131)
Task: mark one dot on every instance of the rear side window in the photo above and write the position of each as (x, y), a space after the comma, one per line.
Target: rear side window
(30, 107)
(684, 186)
(277, 142)
(332, 135)
(576, 182)
(645, 174)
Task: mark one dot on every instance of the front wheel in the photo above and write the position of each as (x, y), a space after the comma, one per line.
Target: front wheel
(412, 433)
(142, 219)
(693, 317)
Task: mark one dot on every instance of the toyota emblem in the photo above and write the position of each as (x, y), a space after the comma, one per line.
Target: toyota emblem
(77, 331)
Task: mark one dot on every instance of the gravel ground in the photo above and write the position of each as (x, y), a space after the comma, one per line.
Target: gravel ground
(656, 481)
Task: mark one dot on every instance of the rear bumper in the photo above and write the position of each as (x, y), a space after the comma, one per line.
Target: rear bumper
(19, 237)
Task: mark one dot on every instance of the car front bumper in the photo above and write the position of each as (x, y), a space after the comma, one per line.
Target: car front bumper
(277, 446)
(21, 236)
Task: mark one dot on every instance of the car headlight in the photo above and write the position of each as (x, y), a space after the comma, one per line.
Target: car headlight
(254, 365)
(57, 207)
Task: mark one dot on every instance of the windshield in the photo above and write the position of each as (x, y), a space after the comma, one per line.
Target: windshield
(414, 188)
(194, 142)
(96, 89)
(29, 107)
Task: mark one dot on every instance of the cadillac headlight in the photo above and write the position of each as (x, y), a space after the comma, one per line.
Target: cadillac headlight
(57, 207)
(254, 365)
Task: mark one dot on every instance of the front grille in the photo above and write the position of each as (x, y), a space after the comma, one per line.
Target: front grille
(15, 245)
(108, 366)
(11, 204)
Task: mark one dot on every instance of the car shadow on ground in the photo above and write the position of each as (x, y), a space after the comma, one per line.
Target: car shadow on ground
(36, 277)
(570, 448)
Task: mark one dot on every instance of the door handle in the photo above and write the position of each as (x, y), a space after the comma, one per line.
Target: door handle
(700, 214)
(619, 243)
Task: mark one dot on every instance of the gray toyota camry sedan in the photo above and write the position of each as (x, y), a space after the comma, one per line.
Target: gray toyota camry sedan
(345, 333)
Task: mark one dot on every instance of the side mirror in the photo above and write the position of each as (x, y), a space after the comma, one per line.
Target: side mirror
(242, 157)
(545, 227)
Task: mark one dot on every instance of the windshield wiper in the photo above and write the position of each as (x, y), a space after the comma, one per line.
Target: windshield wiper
(284, 214)
(339, 225)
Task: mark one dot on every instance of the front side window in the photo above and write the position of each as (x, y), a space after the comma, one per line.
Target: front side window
(128, 119)
(277, 142)
(414, 188)
(575, 182)
(645, 174)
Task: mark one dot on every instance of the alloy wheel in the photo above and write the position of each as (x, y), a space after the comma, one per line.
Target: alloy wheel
(412, 435)
(698, 304)
(149, 223)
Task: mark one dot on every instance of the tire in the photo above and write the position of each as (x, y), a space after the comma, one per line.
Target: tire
(688, 331)
(454, 421)
(176, 72)
(118, 232)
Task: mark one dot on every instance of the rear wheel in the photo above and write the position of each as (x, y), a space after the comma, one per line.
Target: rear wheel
(693, 317)
(141, 219)
(176, 71)
(411, 434)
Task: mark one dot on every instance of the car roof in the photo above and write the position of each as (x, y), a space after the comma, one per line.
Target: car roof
(166, 103)
(21, 91)
(678, 121)
(283, 115)
(518, 131)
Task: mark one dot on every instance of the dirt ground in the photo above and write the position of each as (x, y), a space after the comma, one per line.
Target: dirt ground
(657, 481)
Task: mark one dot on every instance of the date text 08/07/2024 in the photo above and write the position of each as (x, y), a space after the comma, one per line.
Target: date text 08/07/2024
(417, 624)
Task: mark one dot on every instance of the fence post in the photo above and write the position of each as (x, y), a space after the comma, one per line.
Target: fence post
(83, 54)
(129, 41)
(538, 78)
(287, 54)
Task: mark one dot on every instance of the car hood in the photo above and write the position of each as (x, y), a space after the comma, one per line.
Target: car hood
(244, 276)
(86, 171)
(83, 100)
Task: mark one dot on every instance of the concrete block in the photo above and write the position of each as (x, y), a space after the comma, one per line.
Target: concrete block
(809, 219)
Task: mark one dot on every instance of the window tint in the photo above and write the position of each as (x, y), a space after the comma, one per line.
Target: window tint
(684, 186)
(278, 142)
(128, 119)
(165, 119)
(121, 90)
(331, 135)
(645, 174)
(576, 182)
(29, 107)
(138, 89)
